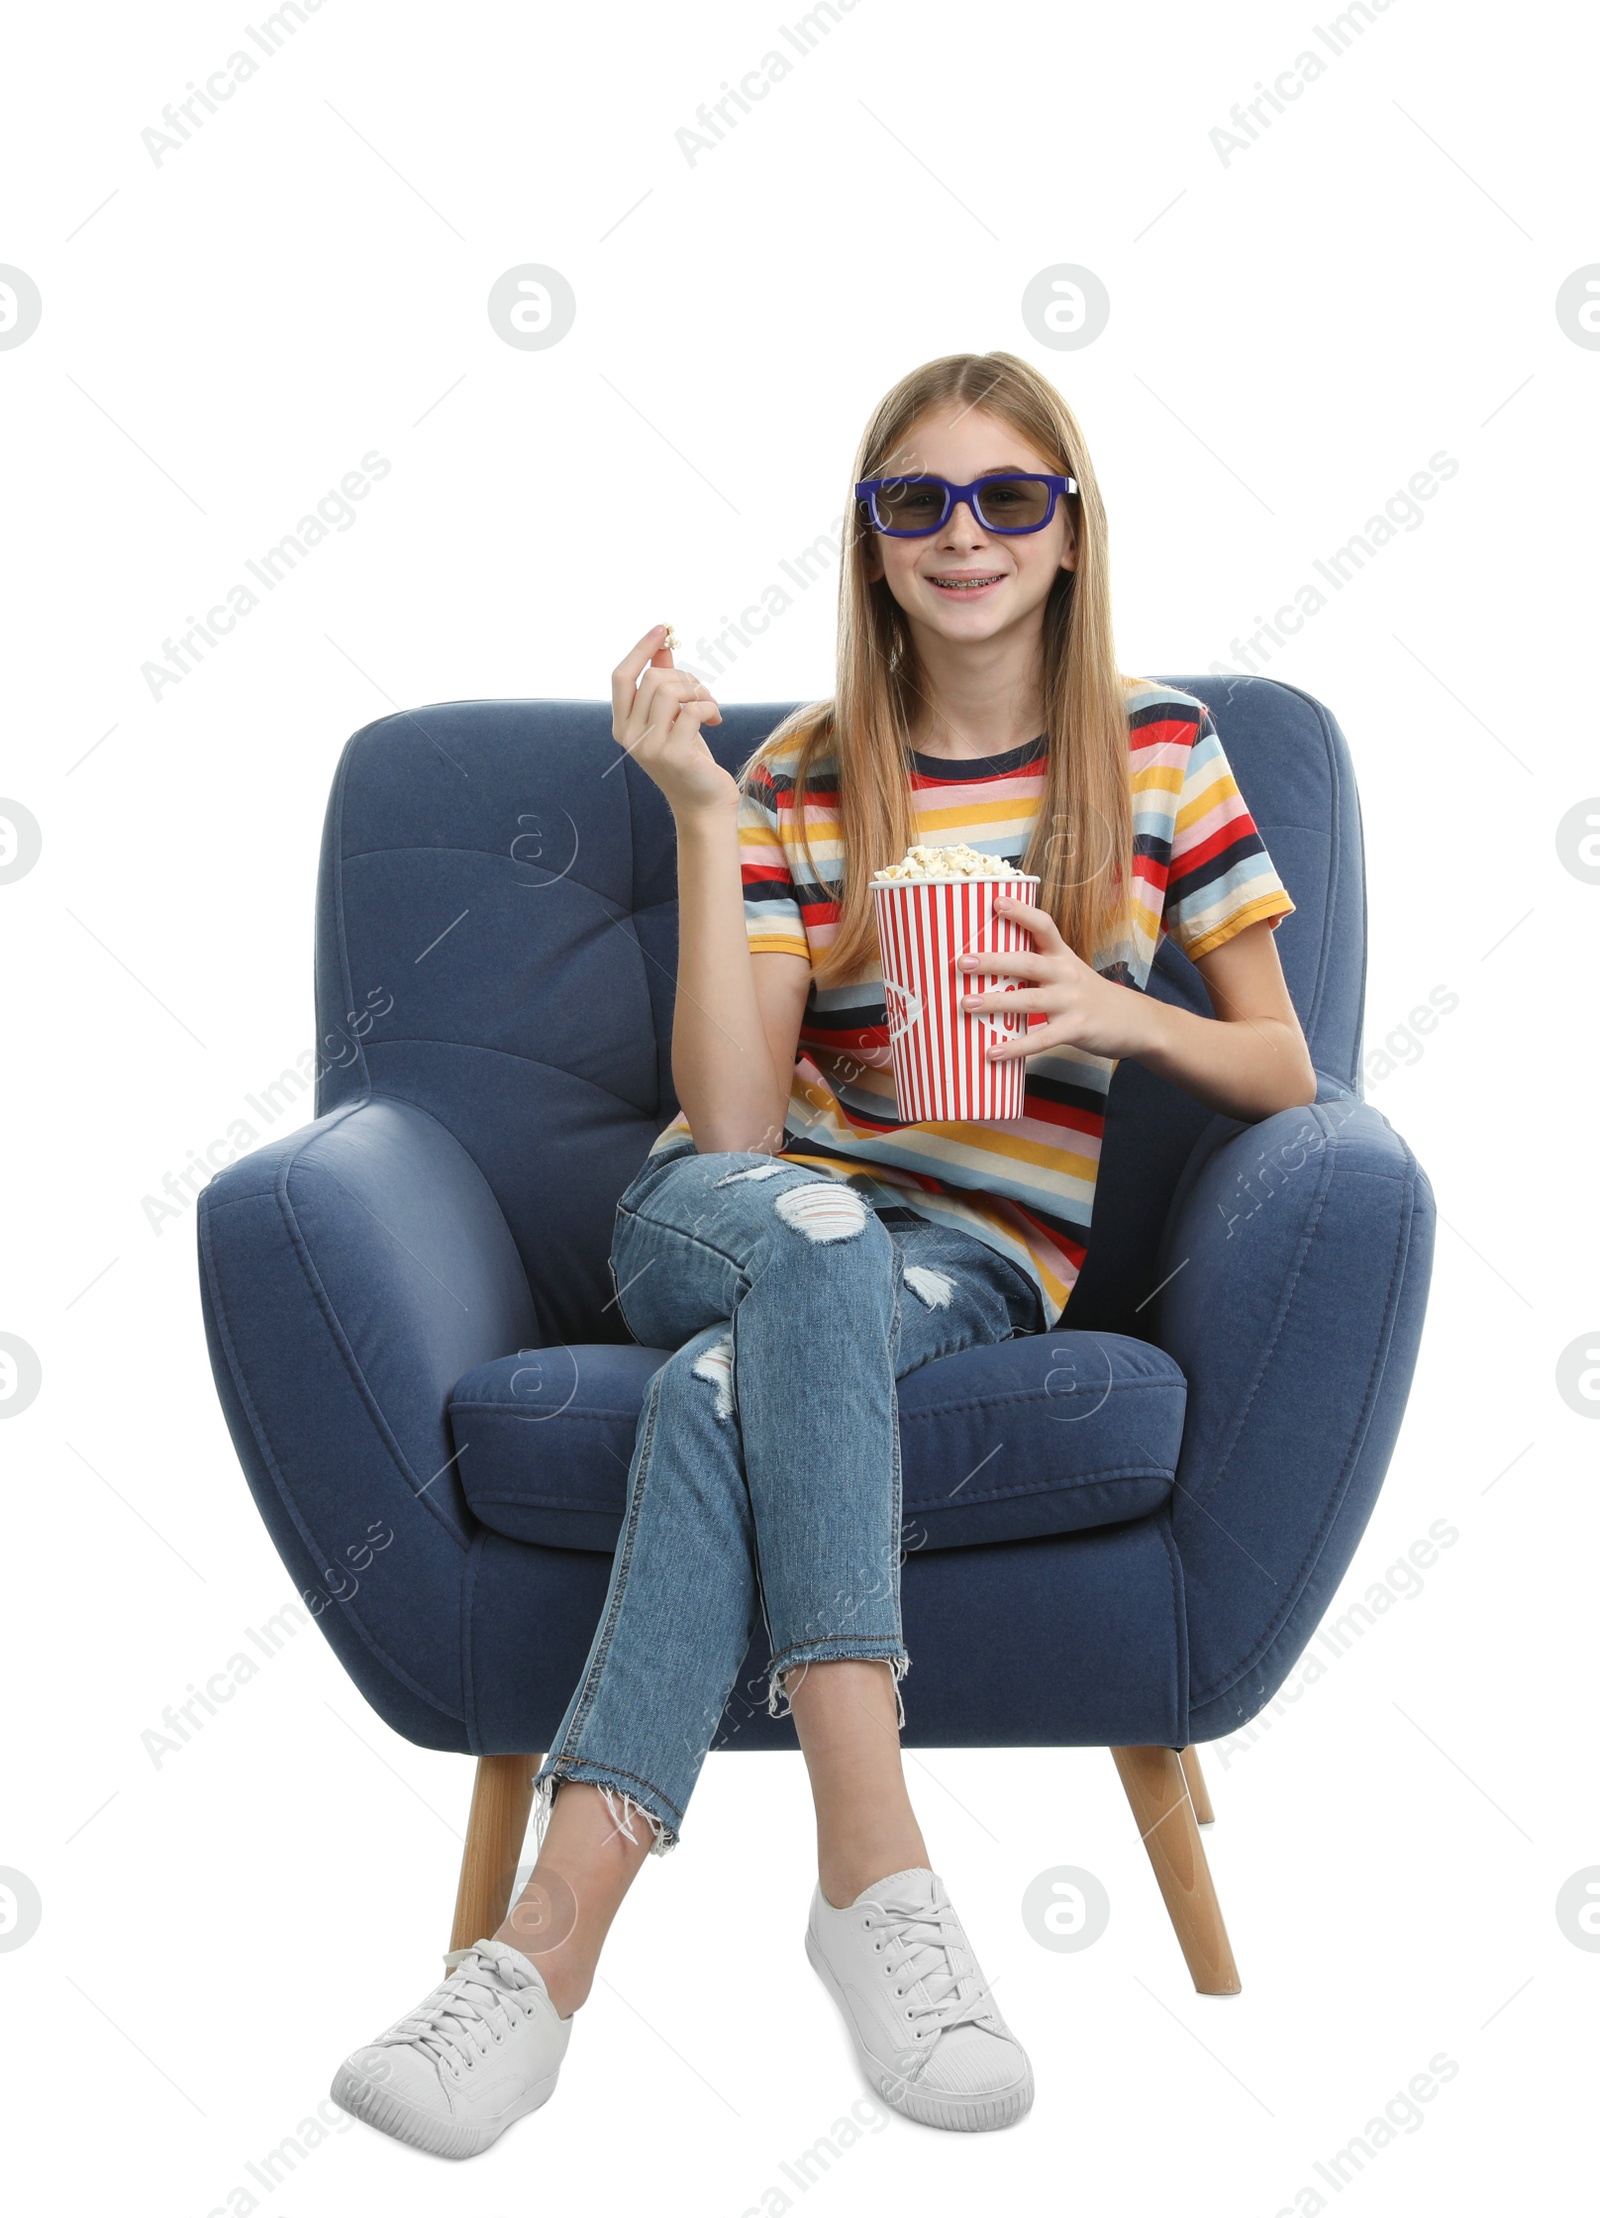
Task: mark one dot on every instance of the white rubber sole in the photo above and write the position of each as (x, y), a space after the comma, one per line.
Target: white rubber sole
(403, 2121)
(954, 2113)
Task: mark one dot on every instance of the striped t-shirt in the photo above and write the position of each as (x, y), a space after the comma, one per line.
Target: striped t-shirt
(1025, 1185)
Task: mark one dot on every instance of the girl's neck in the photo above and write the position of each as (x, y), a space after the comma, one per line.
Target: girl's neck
(976, 702)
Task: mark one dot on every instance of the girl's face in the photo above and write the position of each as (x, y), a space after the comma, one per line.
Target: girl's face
(1007, 577)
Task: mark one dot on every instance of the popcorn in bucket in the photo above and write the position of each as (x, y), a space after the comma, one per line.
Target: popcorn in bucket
(935, 905)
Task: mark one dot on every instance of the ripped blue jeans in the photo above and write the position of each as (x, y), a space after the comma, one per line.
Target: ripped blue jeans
(766, 1466)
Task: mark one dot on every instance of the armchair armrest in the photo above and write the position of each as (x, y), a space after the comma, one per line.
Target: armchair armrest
(350, 1273)
(1294, 1273)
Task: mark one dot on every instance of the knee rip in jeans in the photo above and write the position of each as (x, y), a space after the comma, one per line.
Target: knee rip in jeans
(823, 1212)
(716, 1367)
(757, 1170)
(931, 1287)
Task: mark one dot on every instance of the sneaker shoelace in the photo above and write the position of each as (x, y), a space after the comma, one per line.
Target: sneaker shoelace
(931, 1941)
(479, 1992)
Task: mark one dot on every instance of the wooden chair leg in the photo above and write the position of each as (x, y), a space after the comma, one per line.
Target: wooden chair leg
(1153, 1779)
(502, 1796)
(1204, 1814)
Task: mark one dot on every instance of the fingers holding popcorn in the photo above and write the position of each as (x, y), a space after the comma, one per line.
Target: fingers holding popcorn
(657, 711)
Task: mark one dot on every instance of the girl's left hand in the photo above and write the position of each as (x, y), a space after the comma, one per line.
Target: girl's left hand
(1084, 1009)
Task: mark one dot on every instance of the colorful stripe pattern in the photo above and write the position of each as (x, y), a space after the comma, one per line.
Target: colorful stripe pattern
(1023, 1184)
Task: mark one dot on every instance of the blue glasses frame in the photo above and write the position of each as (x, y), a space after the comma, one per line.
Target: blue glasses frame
(870, 487)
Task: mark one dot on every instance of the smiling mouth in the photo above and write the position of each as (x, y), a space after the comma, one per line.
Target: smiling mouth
(969, 584)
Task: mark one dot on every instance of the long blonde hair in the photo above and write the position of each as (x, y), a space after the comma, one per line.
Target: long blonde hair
(1081, 842)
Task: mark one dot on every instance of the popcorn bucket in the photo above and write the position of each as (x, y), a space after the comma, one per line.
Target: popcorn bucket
(942, 1070)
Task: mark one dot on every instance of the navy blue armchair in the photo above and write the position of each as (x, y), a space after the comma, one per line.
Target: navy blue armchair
(1122, 1533)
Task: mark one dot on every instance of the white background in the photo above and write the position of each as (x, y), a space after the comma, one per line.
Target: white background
(1293, 333)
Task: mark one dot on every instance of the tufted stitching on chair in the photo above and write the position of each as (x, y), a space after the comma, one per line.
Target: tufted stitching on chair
(622, 918)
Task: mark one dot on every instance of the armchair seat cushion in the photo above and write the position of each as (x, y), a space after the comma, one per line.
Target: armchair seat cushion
(1044, 1434)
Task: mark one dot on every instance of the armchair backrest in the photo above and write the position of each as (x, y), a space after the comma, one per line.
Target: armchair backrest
(497, 944)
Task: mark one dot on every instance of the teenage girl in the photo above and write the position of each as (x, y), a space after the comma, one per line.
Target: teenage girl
(801, 1249)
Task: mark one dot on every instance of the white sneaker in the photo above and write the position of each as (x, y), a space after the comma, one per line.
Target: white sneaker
(479, 2052)
(919, 2010)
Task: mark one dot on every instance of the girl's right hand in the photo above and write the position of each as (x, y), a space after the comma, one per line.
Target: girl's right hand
(656, 715)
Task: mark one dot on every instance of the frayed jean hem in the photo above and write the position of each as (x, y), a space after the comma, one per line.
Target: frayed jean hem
(836, 1648)
(623, 1802)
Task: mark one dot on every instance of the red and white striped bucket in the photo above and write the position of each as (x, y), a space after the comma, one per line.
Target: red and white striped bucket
(942, 1071)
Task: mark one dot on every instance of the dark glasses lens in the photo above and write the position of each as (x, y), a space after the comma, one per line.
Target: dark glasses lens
(911, 504)
(917, 505)
(1013, 503)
